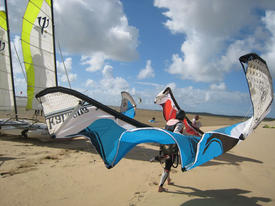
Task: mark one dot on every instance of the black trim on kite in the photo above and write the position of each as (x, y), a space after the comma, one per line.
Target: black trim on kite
(172, 96)
(251, 56)
(226, 142)
(93, 102)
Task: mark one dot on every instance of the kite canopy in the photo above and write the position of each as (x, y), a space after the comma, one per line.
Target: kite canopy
(170, 108)
(128, 105)
(69, 113)
(260, 87)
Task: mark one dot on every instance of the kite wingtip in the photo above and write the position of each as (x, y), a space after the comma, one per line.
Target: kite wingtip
(242, 137)
(183, 169)
(109, 166)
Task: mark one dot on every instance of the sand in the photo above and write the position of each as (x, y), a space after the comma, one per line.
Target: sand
(70, 172)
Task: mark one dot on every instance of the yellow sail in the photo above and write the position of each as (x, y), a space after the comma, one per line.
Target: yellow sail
(38, 49)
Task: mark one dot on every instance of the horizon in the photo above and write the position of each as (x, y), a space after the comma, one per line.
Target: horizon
(160, 110)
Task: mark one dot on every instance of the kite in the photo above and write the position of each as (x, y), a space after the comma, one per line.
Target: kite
(170, 107)
(69, 113)
(128, 105)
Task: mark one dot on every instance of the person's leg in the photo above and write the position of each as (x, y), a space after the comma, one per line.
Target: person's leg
(165, 174)
(169, 180)
(163, 178)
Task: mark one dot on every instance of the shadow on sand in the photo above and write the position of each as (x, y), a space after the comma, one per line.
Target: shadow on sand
(4, 159)
(137, 153)
(230, 159)
(78, 144)
(217, 197)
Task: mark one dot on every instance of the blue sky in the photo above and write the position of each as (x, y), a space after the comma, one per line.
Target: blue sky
(142, 46)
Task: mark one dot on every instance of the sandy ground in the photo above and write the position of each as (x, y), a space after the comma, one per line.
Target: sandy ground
(70, 172)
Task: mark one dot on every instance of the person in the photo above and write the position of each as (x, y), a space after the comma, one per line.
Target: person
(196, 122)
(170, 151)
(152, 120)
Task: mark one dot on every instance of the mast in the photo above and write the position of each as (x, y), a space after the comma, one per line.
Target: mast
(12, 79)
(54, 51)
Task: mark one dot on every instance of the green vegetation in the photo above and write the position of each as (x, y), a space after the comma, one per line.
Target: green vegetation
(267, 126)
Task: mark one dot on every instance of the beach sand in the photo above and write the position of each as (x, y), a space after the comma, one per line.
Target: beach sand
(70, 172)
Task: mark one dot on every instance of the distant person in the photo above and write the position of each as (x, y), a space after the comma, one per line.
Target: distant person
(170, 152)
(38, 112)
(196, 122)
(152, 120)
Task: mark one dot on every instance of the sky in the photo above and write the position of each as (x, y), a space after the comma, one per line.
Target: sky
(143, 46)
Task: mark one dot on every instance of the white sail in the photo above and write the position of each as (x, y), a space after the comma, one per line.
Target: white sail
(6, 89)
(7, 101)
(38, 49)
(38, 53)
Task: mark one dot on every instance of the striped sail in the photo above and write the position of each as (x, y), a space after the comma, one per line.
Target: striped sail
(6, 90)
(38, 49)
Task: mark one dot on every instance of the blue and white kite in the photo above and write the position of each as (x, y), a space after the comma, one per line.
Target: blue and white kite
(128, 105)
(69, 113)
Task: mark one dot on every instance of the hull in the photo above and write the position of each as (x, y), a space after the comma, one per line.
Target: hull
(25, 129)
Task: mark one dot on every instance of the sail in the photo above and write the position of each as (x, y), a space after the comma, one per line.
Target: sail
(6, 88)
(128, 105)
(38, 49)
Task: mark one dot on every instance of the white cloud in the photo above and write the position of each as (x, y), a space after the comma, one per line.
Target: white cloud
(95, 62)
(108, 85)
(18, 67)
(62, 72)
(269, 55)
(215, 37)
(147, 72)
(111, 84)
(89, 83)
(151, 84)
(87, 27)
(212, 17)
(17, 56)
(92, 27)
(72, 77)
(207, 96)
(107, 72)
(172, 85)
(68, 65)
(212, 100)
(20, 86)
(220, 86)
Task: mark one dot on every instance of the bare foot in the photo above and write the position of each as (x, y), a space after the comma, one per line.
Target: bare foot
(169, 181)
(162, 189)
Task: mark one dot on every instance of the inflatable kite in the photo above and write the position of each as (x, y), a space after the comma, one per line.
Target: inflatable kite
(69, 113)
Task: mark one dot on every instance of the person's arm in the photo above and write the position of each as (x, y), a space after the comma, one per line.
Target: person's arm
(179, 128)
